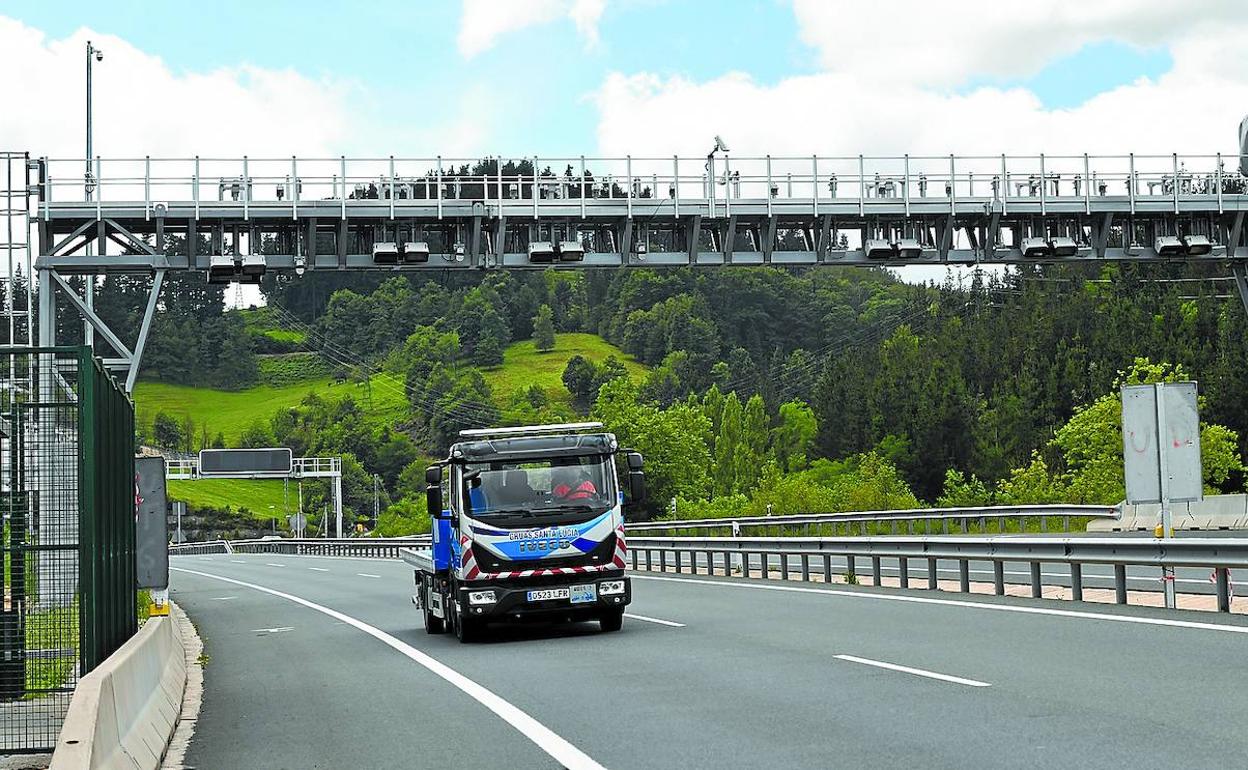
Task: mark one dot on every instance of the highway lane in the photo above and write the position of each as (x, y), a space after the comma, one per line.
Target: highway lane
(751, 677)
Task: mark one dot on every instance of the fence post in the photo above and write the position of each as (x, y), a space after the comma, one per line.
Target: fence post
(1223, 579)
(1076, 581)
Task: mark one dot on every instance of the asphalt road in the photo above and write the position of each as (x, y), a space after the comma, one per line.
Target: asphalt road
(752, 677)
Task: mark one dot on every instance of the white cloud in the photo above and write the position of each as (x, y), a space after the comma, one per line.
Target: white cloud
(483, 22)
(902, 106)
(142, 107)
(944, 43)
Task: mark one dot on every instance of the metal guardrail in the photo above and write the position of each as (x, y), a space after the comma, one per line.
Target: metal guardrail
(1220, 554)
(815, 555)
(693, 182)
(369, 547)
(944, 521)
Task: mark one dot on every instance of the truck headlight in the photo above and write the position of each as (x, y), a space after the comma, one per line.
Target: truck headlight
(481, 597)
(611, 587)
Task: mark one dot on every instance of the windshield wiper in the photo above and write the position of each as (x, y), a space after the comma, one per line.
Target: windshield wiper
(578, 508)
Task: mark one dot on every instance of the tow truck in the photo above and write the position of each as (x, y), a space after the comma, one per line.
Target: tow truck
(528, 524)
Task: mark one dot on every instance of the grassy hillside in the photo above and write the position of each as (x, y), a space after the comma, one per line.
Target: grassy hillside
(524, 365)
(256, 496)
(230, 412)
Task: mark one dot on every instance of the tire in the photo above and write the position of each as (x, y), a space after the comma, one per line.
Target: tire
(611, 620)
(433, 623)
(467, 630)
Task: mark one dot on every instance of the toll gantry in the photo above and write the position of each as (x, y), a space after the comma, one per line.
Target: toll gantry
(236, 219)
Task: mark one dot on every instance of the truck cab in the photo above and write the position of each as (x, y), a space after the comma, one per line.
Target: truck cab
(528, 523)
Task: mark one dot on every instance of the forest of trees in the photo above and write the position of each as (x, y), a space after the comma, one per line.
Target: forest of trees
(804, 389)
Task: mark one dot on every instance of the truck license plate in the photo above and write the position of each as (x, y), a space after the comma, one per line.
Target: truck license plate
(547, 594)
(584, 594)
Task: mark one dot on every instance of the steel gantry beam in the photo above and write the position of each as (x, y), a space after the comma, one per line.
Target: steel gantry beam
(398, 214)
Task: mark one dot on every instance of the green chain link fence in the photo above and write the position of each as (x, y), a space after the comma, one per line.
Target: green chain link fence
(67, 496)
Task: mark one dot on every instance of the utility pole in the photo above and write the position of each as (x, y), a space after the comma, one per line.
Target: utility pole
(93, 55)
(376, 500)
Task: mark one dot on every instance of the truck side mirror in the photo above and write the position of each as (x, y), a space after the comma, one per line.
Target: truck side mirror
(636, 478)
(433, 491)
(433, 501)
(637, 487)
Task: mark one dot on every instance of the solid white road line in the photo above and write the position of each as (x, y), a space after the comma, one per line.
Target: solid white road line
(318, 569)
(271, 564)
(542, 736)
(277, 630)
(1143, 621)
(223, 598)
(915, 671)
(660, 621)
(365, 574)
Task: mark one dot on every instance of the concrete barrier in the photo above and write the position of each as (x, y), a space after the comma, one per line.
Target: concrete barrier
(123, 713)
(1214, 512)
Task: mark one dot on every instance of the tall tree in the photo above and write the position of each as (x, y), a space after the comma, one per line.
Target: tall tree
(544, 329)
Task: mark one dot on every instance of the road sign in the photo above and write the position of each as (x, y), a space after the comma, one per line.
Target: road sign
(1168, 469)
(152, 524)
(235, 462)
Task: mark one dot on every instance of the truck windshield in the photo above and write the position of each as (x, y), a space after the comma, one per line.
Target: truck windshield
(548, 486)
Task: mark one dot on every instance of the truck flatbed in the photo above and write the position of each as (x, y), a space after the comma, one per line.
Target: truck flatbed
(420, 558)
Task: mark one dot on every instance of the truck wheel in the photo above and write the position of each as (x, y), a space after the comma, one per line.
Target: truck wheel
(467, 630)
(434, 624)
(611, 620)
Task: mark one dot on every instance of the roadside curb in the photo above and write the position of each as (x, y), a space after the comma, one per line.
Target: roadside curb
(192, 695)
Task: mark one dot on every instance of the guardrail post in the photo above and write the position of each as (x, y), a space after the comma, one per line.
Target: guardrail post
(648, 565)
(727, 563)
(1076, 581)
(903, 571)
(678, 561)
(765, 565)
(827, 566)
(784, 566)
(875, 570)
(662, 560)
(1223, 579)
(1120, 583)
(745, 563)
(998, 577)
(805, 568)
(1036, 592)
(964, 576)
(932, 584)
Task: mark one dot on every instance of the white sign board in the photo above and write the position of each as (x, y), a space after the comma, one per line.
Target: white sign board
(1177, 452)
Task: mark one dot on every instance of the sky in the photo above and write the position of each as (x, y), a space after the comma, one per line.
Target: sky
(614, 77)
(647, 78)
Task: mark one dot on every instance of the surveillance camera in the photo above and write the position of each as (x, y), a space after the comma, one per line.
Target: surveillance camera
(719, 144)
(300, 270)
(99, 55)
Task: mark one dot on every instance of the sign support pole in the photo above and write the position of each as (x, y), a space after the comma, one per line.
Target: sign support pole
(1166, 524)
